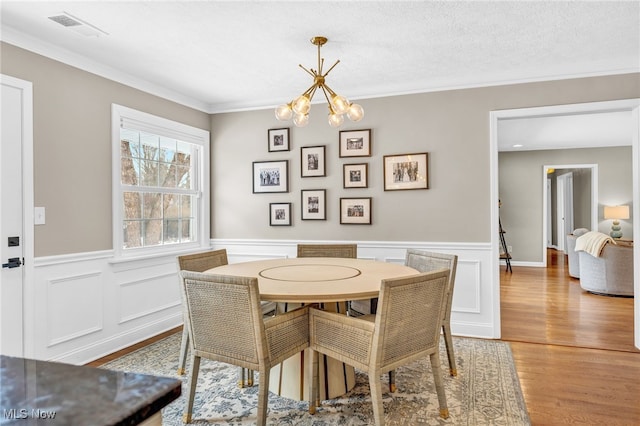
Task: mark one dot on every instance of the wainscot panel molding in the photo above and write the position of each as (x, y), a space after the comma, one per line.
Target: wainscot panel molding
(473, 313)
(87, 306)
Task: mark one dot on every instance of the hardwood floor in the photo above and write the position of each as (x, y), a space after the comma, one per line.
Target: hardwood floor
(573, 350)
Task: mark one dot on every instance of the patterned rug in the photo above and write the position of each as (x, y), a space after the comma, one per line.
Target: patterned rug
(485, 392)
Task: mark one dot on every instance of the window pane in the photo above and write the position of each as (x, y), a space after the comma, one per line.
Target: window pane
(132, 234)
(167, 175)
(185, 206)
(167, 149)
(132, 205)
(130, 171)
(152, 205)
(171, 206)
(148, 172)
(183, 156)
(171, 231)
(149, 144)
(184, 177)
(188, 233)
(129, 143)
(152, 232)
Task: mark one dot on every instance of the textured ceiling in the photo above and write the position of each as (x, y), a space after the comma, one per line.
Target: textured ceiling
(236, 55)
(225, 56)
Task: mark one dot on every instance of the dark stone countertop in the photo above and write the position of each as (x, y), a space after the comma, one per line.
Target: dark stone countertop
(51, 393)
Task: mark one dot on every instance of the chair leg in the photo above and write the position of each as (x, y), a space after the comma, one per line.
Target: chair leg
(376, 397)
(392, 381)
(193, 381)
(263, 396)
(437, 378)
(250, 381)
(448, 340)
(313, 390)
(241, 377)
(184, 348)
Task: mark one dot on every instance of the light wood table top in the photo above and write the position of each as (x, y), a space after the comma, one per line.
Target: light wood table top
(316, 279)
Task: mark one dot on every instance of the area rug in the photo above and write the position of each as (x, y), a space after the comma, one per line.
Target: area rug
(485, 392)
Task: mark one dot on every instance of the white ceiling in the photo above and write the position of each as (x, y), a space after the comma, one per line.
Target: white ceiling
(236, 55)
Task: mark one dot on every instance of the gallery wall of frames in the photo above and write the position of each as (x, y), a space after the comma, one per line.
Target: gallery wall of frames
(400, 172)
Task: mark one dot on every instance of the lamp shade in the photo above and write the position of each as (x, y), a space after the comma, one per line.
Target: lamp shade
(616, 212)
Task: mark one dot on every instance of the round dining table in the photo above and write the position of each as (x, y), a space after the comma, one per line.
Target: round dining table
(327, 281)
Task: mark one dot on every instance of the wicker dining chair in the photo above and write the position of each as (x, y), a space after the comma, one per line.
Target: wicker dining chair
(405, 328)
(226, 325)
(328, 250)
(426, 261)
(200, 262)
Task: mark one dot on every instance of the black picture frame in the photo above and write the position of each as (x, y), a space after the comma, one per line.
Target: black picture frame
(406, 171)
(280, 214)
(314, 204)
(312, 161)
(355, 211)
(355, 143)
(278, 140)
(355, 175)
(270, 176)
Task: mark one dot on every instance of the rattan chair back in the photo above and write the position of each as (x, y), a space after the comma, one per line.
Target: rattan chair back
(197, 262)
(426, 261)
(200, 262)
(328, 250)
(225, 318)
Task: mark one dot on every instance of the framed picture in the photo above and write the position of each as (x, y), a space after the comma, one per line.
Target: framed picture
(355, 143)
(355, 211)
(278, 139)
(356, 175)
(314, 204)
(405, 171)
(280, 214)
(312, 161)
(270, 176)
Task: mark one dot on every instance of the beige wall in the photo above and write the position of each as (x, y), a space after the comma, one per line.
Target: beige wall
(452, 126)
(72, 121)
(521, 192)
(72, 147)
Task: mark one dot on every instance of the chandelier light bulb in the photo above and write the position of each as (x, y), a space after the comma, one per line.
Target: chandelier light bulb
(340, 104)
(355, 112)
(301, 120)
(302, 104)
(284, 112)
(336, 120)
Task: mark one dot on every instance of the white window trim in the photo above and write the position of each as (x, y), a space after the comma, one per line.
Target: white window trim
(164, 127)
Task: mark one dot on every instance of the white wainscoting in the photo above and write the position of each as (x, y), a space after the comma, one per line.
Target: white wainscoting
(87, 305)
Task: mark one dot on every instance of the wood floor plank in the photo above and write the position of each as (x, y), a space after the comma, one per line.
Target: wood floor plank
(573, 350)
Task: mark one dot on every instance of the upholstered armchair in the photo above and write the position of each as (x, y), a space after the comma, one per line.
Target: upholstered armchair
(573, 258)
(611, 273)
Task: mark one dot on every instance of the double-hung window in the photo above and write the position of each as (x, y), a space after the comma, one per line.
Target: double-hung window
(160, 184)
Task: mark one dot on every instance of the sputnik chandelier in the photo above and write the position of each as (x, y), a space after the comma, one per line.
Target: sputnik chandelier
(338, 105)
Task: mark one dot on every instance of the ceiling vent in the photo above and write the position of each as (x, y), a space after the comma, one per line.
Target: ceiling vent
(78, 25)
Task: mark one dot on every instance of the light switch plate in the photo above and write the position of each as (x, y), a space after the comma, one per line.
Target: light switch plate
(39, 216)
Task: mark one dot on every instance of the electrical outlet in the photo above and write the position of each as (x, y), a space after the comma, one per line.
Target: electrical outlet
(510, 248)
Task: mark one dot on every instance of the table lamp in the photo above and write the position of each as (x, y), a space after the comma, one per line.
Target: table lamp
(616, 213)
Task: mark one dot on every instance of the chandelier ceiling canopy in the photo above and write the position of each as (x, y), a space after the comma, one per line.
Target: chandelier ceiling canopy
(339, 106)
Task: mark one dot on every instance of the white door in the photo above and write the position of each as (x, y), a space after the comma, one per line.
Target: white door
(16, 124)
